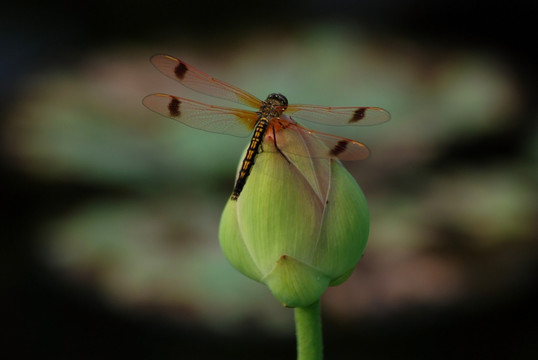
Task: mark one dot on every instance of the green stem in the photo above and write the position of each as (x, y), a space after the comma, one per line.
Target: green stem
(308, 332)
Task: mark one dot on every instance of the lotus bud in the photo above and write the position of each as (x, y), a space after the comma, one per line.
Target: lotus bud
(300, 225)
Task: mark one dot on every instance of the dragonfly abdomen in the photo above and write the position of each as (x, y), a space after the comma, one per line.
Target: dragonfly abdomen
(252, 151)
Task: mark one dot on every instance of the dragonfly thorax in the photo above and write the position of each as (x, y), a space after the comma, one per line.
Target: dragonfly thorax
(275, 103)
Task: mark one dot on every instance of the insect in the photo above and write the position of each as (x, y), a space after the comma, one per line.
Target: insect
(270, 121)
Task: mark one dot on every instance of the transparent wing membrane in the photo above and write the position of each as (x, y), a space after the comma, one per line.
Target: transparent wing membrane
(339, 116)
(199, 81)
(203, 116)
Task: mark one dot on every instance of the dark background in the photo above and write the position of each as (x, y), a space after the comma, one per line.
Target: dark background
(50, 313)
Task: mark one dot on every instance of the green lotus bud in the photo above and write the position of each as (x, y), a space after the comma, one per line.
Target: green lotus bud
(300, 225)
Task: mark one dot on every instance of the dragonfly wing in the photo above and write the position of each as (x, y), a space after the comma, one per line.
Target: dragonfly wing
(336, 146)
(199, 81)
(311, 152)
(293, 138)
(333, 115)
(202, 116)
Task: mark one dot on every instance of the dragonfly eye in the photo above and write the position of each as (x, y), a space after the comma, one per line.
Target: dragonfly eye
(277, 99)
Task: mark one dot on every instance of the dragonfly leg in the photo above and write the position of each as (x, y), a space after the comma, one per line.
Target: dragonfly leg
(276, 146)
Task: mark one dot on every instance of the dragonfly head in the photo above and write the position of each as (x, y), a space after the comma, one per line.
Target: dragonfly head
(279, 100)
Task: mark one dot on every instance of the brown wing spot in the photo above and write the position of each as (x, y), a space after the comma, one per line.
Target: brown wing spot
(339, 148)
(358, 115)
(173, 107)
(180, 70)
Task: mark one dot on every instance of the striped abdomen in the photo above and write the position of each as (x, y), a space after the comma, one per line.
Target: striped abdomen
(252, 151)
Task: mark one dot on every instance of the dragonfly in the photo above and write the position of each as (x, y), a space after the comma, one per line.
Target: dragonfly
(269, 120)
